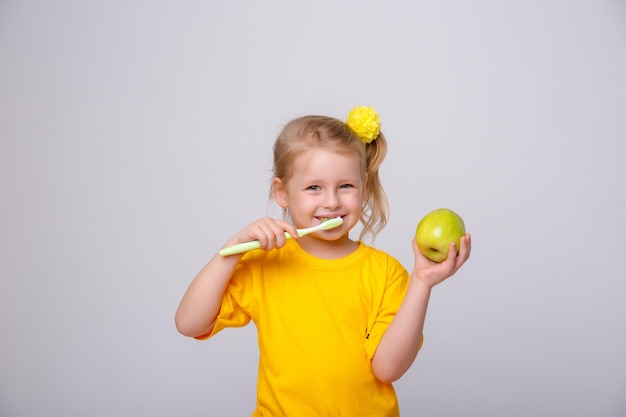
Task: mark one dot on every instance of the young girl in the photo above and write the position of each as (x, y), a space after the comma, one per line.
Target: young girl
(338, 321)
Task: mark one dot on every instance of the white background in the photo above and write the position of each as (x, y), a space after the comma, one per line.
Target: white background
(136, 138)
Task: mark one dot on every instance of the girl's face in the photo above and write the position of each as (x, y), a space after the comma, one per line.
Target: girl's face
(324, 184)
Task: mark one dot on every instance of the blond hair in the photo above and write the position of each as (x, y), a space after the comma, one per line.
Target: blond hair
(320, 131)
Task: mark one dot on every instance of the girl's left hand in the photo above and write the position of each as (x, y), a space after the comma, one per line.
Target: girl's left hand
(432, 273)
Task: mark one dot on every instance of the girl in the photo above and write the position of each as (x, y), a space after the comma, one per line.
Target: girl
(338, 321)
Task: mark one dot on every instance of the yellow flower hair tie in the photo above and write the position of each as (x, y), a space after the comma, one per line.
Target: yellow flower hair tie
(365, 123)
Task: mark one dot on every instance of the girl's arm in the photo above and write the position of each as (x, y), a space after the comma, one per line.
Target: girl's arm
(399, 345)
(199, 306)
(201, 303)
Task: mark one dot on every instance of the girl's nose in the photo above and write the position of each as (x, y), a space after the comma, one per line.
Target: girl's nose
(331, 200)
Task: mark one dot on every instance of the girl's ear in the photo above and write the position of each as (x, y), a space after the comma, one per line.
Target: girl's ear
(280, 194)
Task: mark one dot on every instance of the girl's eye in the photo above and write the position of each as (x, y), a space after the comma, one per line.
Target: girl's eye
(313, 187)
(346, 186)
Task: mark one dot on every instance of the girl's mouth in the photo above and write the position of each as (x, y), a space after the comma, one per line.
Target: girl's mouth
(323, 219)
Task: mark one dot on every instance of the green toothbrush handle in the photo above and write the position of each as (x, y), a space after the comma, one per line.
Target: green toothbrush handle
(246, 246)
(240, 248)
(255, 244)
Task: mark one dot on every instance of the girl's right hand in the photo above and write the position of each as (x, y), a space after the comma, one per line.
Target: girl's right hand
(269, 232)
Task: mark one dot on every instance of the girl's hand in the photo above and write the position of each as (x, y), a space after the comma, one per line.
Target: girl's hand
(269, 232)
(432, 273)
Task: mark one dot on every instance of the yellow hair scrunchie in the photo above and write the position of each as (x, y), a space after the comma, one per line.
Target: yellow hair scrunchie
(364, 121)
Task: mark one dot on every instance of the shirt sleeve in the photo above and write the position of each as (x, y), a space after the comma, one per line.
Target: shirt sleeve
(234, 310)
(386, 303)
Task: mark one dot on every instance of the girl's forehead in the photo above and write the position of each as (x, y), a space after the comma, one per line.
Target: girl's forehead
(324, 162)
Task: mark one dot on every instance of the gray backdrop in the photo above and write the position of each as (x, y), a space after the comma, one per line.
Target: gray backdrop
(136, 138)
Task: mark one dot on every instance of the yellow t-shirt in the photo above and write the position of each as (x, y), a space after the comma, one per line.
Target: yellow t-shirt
(319, 323)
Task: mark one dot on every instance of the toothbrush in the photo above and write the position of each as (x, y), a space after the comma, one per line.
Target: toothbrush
(255, 244)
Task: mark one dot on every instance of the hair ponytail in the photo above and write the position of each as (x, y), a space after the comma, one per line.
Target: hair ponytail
(375, 204)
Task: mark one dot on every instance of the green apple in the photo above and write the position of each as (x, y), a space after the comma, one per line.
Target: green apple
(436, 231)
